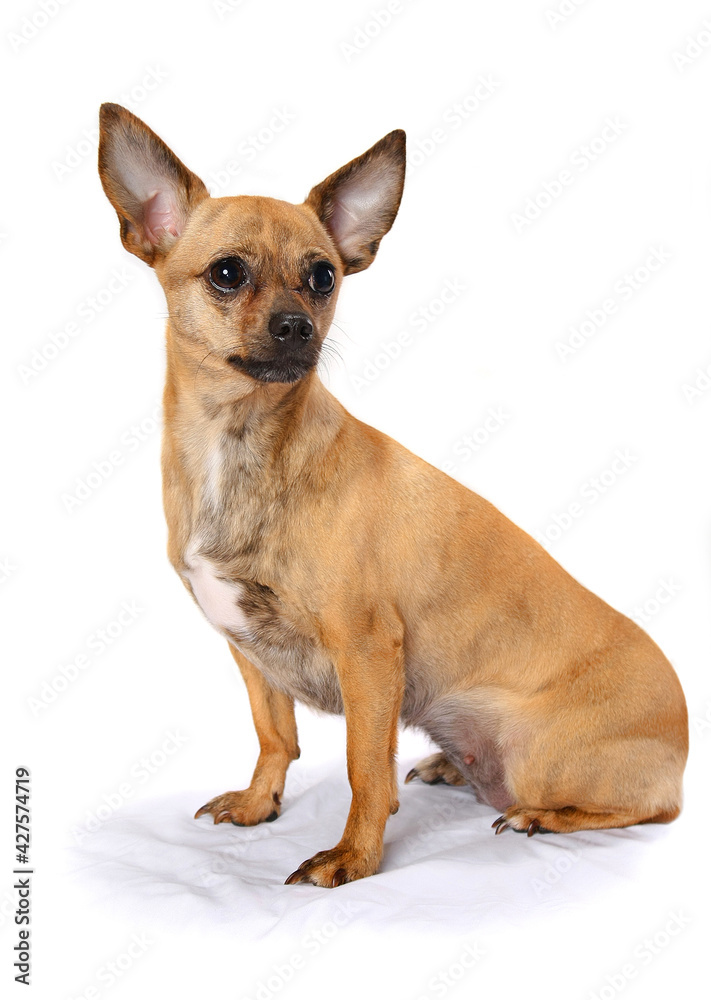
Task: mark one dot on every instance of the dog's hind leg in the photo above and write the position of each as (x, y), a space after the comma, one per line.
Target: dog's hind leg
(569, 819)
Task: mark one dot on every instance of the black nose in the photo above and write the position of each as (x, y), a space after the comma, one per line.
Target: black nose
(291, 328)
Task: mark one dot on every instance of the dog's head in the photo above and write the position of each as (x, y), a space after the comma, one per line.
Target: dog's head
(251, 283)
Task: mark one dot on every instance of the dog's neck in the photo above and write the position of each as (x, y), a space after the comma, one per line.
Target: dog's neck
(264, 432)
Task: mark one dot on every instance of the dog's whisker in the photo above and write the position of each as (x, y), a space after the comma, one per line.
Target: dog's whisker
(331, 352)
(342, 331)
(197, 370)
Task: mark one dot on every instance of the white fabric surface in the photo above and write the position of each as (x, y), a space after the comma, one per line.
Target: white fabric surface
(453, 906)
(440, 842)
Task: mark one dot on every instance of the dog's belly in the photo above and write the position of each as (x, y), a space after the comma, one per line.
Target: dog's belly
(467, 727)
(252, 618)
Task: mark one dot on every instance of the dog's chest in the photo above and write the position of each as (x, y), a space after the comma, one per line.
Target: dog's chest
(229, 550)
(266, 630)
(219, 597)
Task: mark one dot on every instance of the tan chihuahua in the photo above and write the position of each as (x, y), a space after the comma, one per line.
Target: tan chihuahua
(346, 572)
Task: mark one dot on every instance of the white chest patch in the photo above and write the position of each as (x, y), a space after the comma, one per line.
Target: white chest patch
(218, 598)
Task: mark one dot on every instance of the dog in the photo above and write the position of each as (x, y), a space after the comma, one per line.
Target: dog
(349, 574)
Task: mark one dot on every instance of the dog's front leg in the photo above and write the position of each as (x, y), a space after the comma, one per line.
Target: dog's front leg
(273, 714)
(372, 677)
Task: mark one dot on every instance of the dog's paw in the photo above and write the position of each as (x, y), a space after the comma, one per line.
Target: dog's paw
(436, 770)
(245, 808)
(528, 821)
(567, 819)
(332, 868)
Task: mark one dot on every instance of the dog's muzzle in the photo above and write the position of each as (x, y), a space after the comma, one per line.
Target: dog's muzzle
(294, 351)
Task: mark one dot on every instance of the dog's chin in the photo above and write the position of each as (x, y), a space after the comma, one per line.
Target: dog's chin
(284, 370)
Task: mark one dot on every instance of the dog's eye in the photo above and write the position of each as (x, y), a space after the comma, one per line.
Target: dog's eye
(227, 274)
(322, 278)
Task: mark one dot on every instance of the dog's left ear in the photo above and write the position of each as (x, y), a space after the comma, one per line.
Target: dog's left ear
(358, 203)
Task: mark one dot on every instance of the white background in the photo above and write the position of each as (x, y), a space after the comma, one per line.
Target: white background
(560, 917)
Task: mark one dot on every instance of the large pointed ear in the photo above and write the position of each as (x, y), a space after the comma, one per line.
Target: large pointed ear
(152, 191)
(358, 203)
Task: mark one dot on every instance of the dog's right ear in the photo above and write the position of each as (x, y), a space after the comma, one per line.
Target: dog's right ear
(152, 191)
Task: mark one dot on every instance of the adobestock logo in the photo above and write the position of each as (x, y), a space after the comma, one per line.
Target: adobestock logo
(380, 18)
(580, 161)
(701, 724)
(102, 469)
(140, 773)
(87, 311)
(88, 143)
(419, 321)
(224, 7)
(461, 111)
(561, 14)
(111, 972)
(693, 391)
(642, 956)
(428, 828)
(623, 290)
(467, 446)
(311, 944)
(664, 594)
(554, 872)
(96, 644)
(7, 569)
(456, 971)
(249, 149)
(695, 45)
(31, 25)
(590, 492)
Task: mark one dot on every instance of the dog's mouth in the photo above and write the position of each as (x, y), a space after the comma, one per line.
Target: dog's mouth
(285, 369)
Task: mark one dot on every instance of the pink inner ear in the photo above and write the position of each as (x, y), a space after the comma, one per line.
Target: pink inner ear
(346, 221)
(359, 205)
(160, 215)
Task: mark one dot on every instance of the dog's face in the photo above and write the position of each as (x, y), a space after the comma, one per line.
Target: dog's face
(254, 281)
(251, 283)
